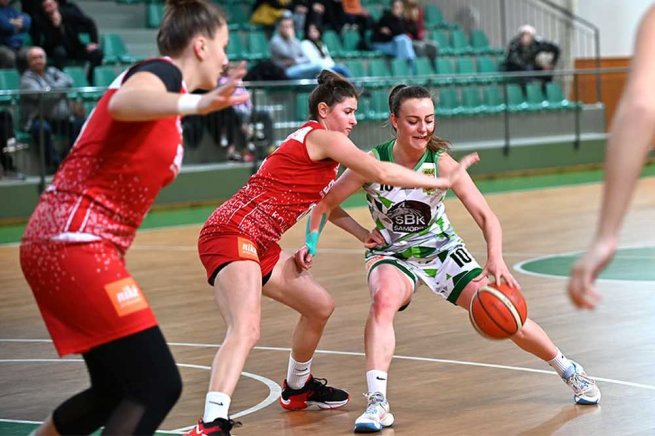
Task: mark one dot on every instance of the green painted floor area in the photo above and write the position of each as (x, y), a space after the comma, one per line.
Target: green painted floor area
(22, 429)
(636, 264)
(196, 215)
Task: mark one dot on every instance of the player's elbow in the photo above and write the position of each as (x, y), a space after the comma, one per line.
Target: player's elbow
(117, 109)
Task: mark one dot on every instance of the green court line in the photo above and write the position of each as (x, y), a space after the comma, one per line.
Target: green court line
(198, 214)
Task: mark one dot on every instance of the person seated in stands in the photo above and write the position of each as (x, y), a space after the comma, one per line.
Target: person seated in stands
(49, 112)
(14, 26)
(390, 35)
(267, 13)
(59, 27)
(415, 26)
(287, 52)
(527, 52)
(317, 52)
(354, 14)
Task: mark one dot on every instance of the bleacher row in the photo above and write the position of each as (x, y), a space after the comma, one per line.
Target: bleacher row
(453, 101)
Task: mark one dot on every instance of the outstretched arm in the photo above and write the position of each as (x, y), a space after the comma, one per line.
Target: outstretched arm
(631, 136)
(144, 97)
(486, 219)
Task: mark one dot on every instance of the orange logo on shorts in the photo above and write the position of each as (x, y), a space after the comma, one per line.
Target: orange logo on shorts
(373, 260)
(247, 249)
(126, 296)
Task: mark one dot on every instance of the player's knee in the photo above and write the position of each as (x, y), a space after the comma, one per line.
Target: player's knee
(247, 331)
(385, 303)
(325, 309)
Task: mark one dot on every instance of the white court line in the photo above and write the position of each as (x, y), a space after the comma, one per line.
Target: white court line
(400, 357)
(274, 390)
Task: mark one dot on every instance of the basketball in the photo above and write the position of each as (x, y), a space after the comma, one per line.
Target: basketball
(498, 311)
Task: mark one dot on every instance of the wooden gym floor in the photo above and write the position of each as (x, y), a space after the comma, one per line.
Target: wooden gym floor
(445, 379)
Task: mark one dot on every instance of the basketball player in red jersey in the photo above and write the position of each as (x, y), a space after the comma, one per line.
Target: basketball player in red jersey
(238, 247)
(72, 252)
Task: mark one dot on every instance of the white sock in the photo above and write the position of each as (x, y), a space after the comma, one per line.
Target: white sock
(217, 405)
(377, 381)
(298, 373)
(562, 365)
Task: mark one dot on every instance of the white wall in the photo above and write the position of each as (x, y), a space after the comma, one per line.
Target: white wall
(617, 21)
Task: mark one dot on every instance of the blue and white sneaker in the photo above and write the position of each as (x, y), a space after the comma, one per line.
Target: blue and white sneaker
(377, 415)
(584, 388)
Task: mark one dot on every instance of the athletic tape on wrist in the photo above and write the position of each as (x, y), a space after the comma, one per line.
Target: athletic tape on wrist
(311, 237)
(187, 104)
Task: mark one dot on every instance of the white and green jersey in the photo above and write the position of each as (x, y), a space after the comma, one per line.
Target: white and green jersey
(413, 221)
(420, 241)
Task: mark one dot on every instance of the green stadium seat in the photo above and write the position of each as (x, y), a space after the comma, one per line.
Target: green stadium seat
(154, 14)
(472, 101)
(357, 67)
(433, 16)
(424, 71)
(448, 104)
(302, 106)
(237, 14)
(515, 100)
(493, 100)
(480, 44)
(350, 44)
(103, 76)
(333, 43)
(235, 47)
(556, 99)
(257, 45)
(535, 98)
(379, 68)
(9, 80)
(461, 44)
(442, 37)
(400, 69)
(378, 105)
(113, 46)
(466, 69)
(445, 71)
(488, 66)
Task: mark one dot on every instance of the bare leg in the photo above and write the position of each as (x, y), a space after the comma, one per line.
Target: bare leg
(390, 289)
(237, 290)
(301, 292)
(531, 338)
(46, 429)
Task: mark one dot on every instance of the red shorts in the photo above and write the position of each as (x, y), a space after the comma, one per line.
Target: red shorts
(218, 250)
(85, 294)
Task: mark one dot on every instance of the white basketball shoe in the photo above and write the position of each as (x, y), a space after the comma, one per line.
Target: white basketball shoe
(584, 388)
(377, 415)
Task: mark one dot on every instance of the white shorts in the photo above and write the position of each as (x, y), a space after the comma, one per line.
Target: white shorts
(447, 273)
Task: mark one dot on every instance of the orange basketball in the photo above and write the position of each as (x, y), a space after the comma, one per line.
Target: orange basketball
(498, 311)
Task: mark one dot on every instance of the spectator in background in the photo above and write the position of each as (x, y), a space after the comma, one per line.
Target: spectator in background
(59, 28)
(527, 52)
(49, 112)
(287, 52)
(317, 52)
(390, 35)
(415, 26)
(268, 12)
(8, 145)
(14, 27)
(356, 15)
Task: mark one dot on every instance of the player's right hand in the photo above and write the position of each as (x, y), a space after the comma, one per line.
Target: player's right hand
(303, 259)
(222, 97)
(581, 286)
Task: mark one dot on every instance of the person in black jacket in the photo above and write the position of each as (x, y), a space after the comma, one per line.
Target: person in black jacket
(390, 35)
(58, 29)
(527, 52)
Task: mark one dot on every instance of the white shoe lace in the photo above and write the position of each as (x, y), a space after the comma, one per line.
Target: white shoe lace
(374, 400)
(580, 382)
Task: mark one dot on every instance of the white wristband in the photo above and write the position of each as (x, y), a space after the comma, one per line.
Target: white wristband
(187, 104)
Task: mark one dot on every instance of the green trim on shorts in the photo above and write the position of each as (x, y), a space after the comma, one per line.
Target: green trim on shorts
(461, 284)
(402, 268)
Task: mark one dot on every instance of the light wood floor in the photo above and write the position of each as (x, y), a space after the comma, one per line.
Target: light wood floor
(434, 388)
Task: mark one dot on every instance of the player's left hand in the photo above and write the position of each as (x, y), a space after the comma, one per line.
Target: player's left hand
(373, 239)
(497, 269)
(581, 286)
(222, 96)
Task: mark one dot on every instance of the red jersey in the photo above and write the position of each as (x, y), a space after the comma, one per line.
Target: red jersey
(111, 177)
(284, 188)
